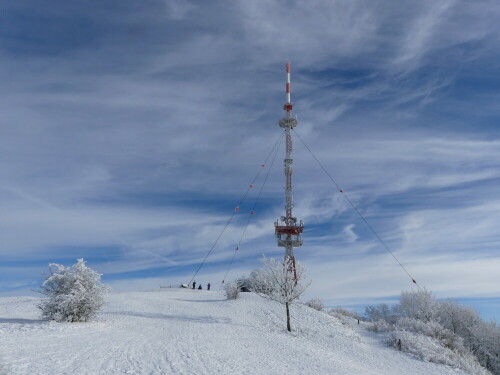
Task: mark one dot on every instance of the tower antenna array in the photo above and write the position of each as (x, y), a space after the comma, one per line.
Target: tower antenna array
(288, 229)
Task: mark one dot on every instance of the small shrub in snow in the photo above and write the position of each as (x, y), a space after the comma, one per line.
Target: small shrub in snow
(232, 290)
(316, 304)
(73, 294)
(245, 284)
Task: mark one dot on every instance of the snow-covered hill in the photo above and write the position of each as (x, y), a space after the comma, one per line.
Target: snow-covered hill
(178, 331)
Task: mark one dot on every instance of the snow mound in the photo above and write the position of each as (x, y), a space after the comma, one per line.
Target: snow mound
(179, 331)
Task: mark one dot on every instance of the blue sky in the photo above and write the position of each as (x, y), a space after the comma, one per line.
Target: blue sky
(130, 130)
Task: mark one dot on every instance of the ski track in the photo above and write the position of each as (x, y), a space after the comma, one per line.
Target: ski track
(179, 331)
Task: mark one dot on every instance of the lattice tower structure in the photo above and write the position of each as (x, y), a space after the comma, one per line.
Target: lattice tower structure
(288, 229)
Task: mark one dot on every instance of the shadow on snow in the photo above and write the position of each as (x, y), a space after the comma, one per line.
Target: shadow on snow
(198, 319)
(21, 321)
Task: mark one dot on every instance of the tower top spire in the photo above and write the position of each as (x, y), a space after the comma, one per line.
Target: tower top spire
(288, 104)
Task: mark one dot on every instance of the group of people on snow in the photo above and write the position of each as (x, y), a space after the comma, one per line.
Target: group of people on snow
(200, 287)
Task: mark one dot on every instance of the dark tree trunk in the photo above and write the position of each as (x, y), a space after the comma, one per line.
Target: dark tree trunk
(288, 327)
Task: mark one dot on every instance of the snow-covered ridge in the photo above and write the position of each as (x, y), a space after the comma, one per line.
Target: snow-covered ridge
(177, 331)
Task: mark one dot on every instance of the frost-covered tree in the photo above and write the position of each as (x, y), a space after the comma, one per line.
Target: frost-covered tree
(276, 282)
(458, 319)
(480, 337)
(421, 305)
(381, 312)
(72, 294)
(485, 344)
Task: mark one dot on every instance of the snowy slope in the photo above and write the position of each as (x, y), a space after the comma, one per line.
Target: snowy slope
(178, 331)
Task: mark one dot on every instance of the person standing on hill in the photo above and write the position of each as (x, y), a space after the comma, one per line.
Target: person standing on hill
(208, 286)
(194, 284)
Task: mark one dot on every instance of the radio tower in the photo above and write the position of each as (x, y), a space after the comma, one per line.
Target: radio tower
(288, 231)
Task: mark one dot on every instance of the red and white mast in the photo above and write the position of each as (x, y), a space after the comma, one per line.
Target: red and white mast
(288, 230)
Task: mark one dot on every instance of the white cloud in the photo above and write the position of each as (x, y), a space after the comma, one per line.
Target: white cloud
(422, 31)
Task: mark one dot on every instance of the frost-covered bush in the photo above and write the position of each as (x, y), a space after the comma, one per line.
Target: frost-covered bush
(342, 318)
(245, 284)
(452, 326)
(232, 290)
(464, 327)
(257, 281)
(345, 316)
(431, 350)
(421, 306)
(380, 326)
(345, 312)
(72, 294)
(315, 304)
(434, 330)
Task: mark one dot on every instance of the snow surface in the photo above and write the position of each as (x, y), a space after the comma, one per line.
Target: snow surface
(178, 331)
